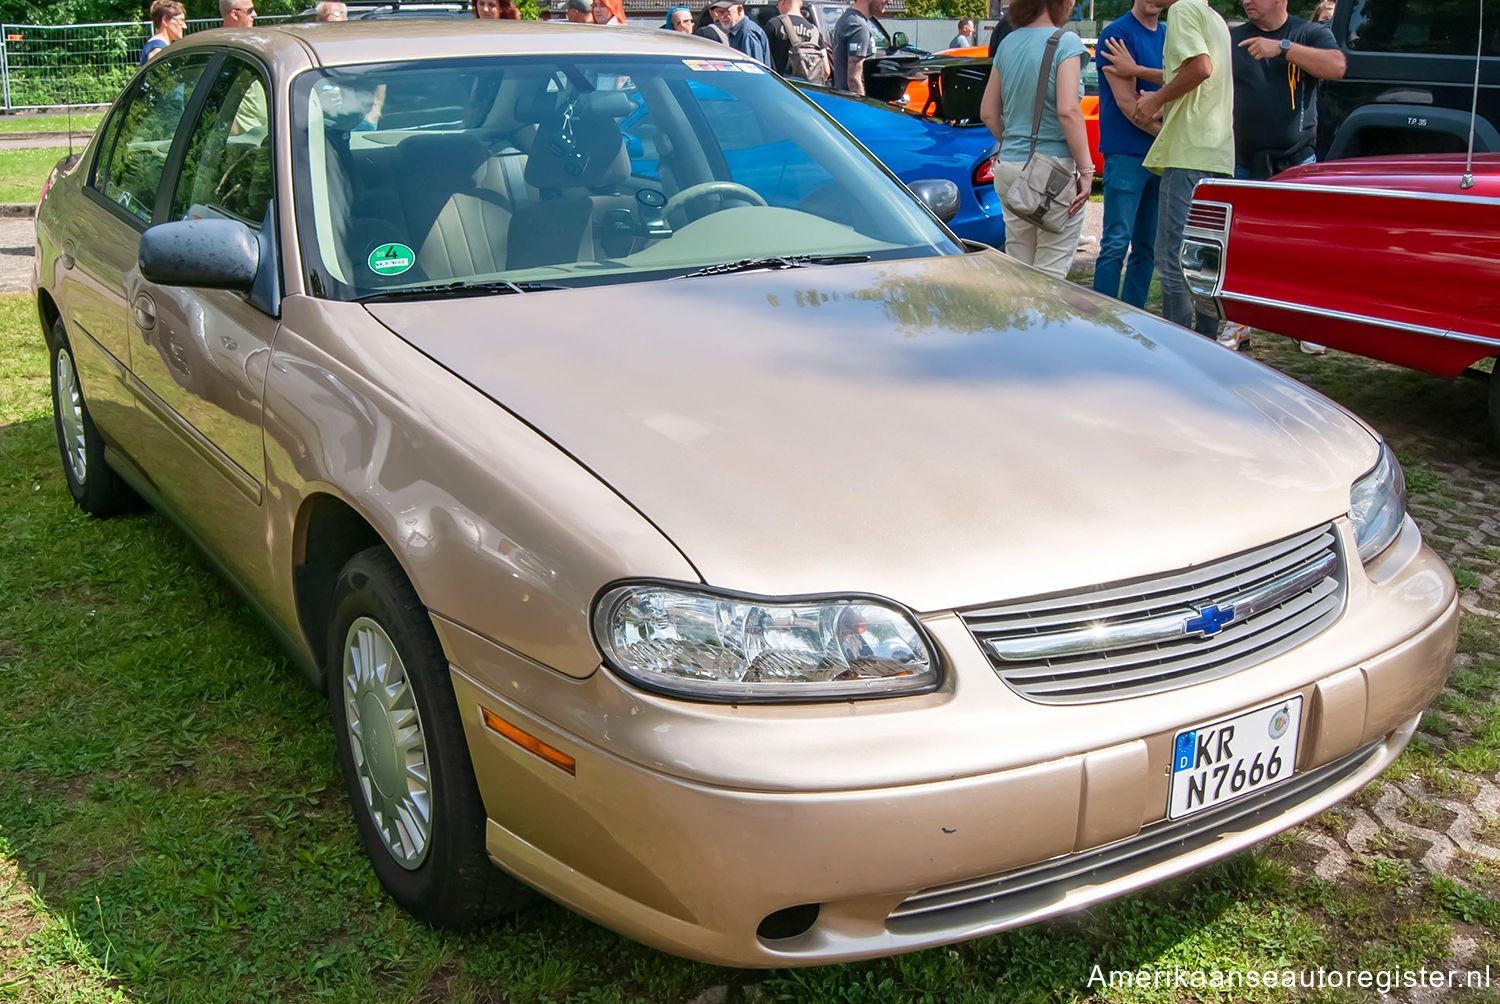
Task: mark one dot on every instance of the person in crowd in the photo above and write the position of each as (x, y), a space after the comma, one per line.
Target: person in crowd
(580, 12)
(797, 48)
(331, 10)
(607, 11)
(679, 19)
(708, 27)
(237, 13)
(497, 10)
(965, 36)
(1007, 107)
(251, 116)
(1002, 28)
(168, 24)
(1130, 191)
(1278, 61)
(1323, 12)
(1196, 139)
(853, 42)
(744, 34)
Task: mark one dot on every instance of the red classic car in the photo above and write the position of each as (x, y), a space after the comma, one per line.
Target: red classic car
(1395, 258)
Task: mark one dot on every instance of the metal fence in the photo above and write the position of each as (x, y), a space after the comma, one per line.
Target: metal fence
(54, 66)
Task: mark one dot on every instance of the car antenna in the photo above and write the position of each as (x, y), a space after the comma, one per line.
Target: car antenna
(1468, 179)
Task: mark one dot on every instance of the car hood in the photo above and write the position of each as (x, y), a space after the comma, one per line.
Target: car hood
(945, 431)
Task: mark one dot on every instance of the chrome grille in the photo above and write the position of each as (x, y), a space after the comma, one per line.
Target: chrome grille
(1209, 215)
(1148, 636)
(1033, 886)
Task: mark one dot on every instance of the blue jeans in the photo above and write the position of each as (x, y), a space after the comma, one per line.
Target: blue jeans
(1177, 186)
(1130, 197)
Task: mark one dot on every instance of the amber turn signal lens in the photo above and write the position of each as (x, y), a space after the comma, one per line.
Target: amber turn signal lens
(529, 742)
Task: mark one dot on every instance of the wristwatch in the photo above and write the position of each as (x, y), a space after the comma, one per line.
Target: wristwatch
(1286, 45)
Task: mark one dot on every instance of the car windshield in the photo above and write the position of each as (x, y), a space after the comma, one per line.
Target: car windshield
(537, 172)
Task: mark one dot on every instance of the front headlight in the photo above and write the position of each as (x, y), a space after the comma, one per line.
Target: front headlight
(731, 648)
(1377, 505)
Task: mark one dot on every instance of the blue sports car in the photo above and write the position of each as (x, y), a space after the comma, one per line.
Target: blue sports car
(914, 148)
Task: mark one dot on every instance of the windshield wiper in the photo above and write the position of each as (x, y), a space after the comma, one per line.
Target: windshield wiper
(463, 288)
(776, 262)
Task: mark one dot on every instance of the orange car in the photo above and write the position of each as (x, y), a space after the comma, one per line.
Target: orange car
(915, 97)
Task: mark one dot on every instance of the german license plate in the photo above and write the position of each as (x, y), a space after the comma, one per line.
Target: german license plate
(1214, 763)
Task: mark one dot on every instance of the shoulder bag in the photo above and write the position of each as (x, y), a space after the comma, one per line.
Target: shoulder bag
(1042, 192)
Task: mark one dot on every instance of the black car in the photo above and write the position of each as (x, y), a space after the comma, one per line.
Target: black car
(1410, 81)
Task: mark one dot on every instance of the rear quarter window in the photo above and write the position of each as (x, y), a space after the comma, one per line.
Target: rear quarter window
(1433, 27)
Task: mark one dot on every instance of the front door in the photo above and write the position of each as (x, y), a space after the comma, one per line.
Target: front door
(200, 356)
(101, 237)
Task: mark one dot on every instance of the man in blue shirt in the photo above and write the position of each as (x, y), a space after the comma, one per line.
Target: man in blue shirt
(744, 34)
(1130, 190)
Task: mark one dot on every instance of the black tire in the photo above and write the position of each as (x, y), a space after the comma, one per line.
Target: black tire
(95, 488)
(453, 884)
(1495, 402)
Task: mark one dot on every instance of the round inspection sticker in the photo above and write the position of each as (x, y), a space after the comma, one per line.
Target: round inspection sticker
(392, 259)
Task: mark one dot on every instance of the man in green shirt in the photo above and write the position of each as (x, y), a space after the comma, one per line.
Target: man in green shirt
(1196, 138)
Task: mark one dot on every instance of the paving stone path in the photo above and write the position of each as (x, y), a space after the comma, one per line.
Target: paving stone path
(1444, 821)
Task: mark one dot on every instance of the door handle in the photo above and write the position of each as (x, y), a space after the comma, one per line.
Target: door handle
(145, 312)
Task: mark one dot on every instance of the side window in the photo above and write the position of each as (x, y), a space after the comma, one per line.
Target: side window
(129, 173)
(1437, 27)
(111, 131)
(227, 168)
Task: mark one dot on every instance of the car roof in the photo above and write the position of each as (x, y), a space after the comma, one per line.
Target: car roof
(375, 40)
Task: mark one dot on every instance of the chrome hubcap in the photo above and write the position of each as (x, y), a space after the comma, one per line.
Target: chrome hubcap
(385, 735)
(70, 416)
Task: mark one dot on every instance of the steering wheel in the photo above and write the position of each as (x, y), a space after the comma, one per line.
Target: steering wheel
(721, 188)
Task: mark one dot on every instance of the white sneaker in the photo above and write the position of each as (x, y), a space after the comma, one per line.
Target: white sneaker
(1235, 336)
(1313, 348)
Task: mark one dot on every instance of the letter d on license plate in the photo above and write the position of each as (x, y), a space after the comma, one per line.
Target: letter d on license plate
(1214, 763)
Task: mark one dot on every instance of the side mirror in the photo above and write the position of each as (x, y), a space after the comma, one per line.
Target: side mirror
(207, 254)
(898, 41)
(939, 194)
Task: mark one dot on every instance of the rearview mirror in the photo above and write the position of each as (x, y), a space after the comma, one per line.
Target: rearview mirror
(898, 40)
(206, 254)
(939, 194)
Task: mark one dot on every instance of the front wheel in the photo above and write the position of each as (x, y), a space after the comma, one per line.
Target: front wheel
(96, 489)
(402, 751)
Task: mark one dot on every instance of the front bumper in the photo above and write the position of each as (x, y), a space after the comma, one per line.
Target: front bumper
(663, 840)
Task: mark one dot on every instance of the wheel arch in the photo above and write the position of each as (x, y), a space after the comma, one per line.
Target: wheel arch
(329, 531)
(47, 313)
(1449, 122)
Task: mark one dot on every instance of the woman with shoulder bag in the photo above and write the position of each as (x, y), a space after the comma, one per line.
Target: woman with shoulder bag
(1043, 172)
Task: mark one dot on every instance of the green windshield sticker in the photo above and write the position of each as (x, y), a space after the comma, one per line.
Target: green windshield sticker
(392, 259)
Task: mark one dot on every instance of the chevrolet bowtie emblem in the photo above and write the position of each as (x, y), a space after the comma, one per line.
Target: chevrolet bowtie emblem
(1209, 620)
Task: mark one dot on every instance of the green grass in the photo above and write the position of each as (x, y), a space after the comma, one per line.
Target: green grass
(79, 122)
(23, 172)
(173, 828)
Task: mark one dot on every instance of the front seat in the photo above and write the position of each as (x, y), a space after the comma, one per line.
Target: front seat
(577, 162)
(462, 225)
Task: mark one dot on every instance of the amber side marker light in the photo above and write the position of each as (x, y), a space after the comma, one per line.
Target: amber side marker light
(528, 742)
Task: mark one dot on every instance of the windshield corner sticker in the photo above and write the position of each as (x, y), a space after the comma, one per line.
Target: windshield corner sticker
(714, 65)
(392, 259)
